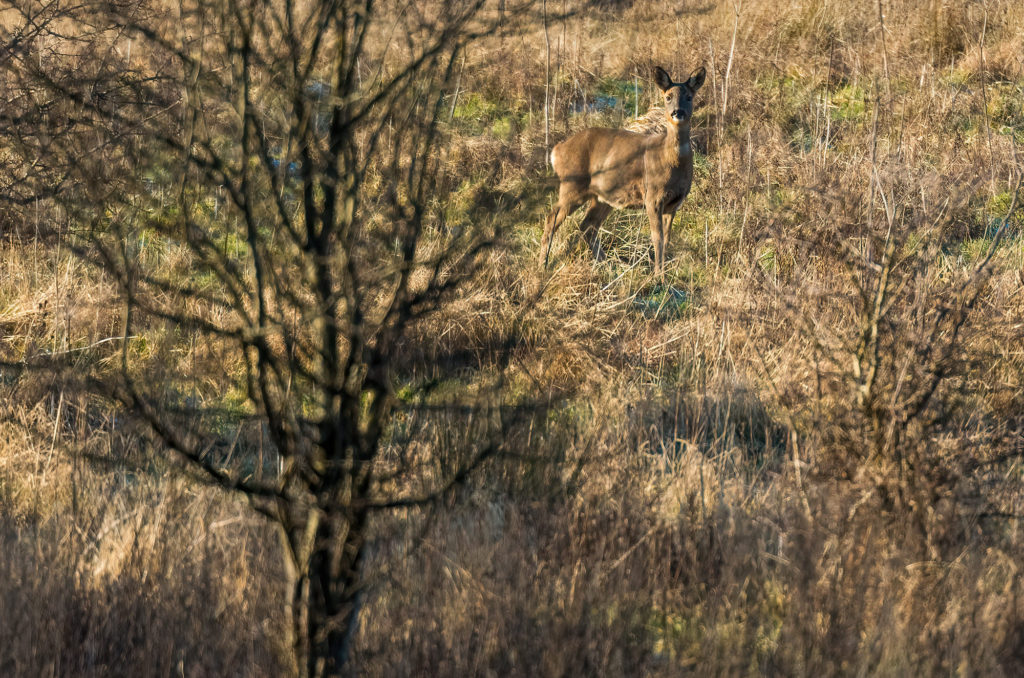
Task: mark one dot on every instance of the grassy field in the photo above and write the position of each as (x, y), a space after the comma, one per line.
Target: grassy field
(798, 455)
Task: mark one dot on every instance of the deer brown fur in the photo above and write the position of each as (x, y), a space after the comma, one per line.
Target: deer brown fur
(615, 168)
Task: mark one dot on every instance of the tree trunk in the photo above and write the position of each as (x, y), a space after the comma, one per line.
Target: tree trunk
(326, 597)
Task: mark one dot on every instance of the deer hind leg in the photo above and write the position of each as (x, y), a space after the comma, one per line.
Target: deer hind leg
(569, 198)
(591, 225)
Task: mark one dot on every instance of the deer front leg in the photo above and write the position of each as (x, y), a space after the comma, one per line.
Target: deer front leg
(654, 216)
(666, 228)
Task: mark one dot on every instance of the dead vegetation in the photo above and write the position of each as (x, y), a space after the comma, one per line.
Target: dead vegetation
(801, 455)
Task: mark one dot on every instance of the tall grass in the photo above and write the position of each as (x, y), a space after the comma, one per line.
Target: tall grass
(801, 456)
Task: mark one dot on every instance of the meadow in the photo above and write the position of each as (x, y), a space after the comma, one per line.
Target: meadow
(799, 454)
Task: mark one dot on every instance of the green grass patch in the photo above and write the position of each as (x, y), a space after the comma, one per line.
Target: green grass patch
(997, 208)
(955, 77)
(788, 99)
(628, 95)
(475, 114)
(664, 301)
(1006, 106)
(849, 103)
(973, 250)
(767, 259)
(677, 637)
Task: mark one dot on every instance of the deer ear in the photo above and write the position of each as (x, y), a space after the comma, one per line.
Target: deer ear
(662, 79)
(697, 79)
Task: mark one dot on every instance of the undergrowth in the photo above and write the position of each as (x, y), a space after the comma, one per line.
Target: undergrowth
(799, 454)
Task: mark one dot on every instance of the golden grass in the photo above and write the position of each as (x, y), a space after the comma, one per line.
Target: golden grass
(693, 486)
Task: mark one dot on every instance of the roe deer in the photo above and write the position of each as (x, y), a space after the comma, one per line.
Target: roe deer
(614, 168)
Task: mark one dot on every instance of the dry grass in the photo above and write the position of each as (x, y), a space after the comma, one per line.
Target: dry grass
(698, 479)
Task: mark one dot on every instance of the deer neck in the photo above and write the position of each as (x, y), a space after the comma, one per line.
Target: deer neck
(677, 147)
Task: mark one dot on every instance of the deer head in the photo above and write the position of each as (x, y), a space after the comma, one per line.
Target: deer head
(678, 95)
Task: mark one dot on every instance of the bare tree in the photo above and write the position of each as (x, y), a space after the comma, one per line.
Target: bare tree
(895, 350)
(264, 179)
